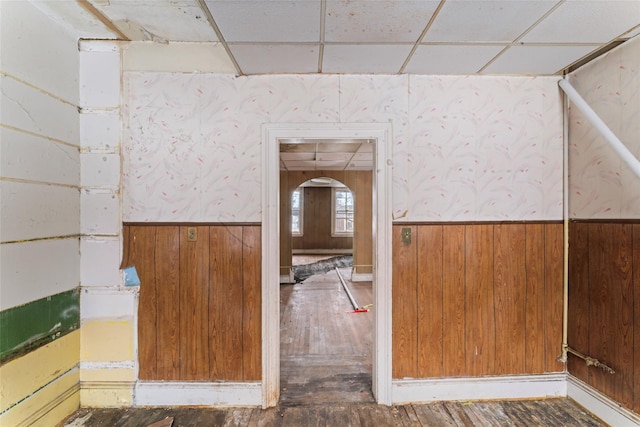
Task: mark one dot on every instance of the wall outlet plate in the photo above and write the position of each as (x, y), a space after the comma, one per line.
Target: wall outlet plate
(406, 235)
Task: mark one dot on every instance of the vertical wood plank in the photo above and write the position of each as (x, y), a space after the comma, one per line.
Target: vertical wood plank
(225, 303)
(534, 310)
(554, 278)
(579, 311)
(194, 304)
(611, 335)
(404, 308)
(453, 287)
(168, 300)
(636, 318)
(479, 311)
(429, 308)
(285, 223)
(142, 256)
(362, 237)
(509, 298)
(252, 313)
(623, 318)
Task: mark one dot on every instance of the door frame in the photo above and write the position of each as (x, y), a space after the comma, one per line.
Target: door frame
(381, 135)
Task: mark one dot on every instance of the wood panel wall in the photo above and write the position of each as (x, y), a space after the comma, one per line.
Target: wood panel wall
(199, 314)
(477, 299)
(361, 184)
(604, 306)
(317, 222)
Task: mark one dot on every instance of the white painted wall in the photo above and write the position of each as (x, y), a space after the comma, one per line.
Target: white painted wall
(601, 185)
(40, 157)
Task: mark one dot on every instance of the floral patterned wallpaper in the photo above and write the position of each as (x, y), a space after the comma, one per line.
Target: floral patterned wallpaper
(600, 184)
(464, 148)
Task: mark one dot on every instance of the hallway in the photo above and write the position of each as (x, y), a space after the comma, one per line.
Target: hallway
(325, 349)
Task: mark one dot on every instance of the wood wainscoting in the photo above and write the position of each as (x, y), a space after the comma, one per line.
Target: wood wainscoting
(477, 299)
(199, 314)
(604, 306)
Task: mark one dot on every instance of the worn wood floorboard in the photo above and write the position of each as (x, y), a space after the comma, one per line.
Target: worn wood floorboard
(326, 379)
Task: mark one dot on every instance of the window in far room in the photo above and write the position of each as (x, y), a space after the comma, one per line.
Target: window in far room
(296, 212)
(342, 219)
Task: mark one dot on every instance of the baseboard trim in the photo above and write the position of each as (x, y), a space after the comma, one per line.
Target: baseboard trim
(287, 278)
(603, 407)
(53, 404)
(480, 388)
(175, 393)
(361, 277)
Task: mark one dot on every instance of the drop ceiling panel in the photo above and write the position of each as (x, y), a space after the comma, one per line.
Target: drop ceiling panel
(297, 156)
(537, 59)
(377, 21)
(344, 147)
(586, 22)
(451, 59)
(370, 59)
(486, 21)
(270, 58)
(158, 20)
(268, 20)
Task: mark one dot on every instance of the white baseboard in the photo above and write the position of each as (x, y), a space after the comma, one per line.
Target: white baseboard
(175, 393)
(603, 407)
(361, 277)
(480, 388)
(287, 278)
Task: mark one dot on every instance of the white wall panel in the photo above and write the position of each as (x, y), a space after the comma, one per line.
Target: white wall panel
(100, 130)
(100, 170)
(29, 109)
(31, 211)
(100, 261)
(107, 303)
(36, 50)
(100, 212)
(100, 79)
(34, 270)
(30, 157)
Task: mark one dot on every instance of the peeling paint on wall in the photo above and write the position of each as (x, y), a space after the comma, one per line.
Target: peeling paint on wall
(27, 327)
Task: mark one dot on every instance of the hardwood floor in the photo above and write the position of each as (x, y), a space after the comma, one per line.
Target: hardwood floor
(326, 379)
(325, 349)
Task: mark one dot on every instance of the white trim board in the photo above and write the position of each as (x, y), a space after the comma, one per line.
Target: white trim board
(176, 393)
(480, 388)
(380, 134)
(603, 407)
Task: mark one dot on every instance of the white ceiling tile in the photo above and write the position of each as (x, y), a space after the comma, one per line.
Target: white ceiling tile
(297, 156)
(360, 156)
(543, 60)
(486, 21)
(268, 59)
(160, 20)
(451, 59)
(301, 165)
(580, 21)
(330, 165)
(341, 157)
(267, 20)
(370, 59)
(377, 21)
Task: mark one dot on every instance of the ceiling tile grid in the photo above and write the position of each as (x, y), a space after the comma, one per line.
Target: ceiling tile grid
(526, 37)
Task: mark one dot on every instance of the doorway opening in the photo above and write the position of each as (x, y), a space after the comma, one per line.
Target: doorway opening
(379, 136)
(326, 316)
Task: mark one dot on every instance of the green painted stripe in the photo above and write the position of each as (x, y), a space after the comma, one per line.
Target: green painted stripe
(29, 326)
